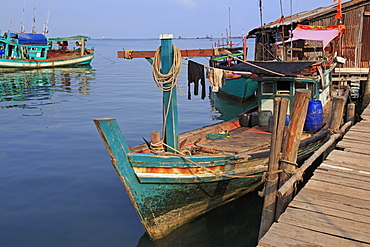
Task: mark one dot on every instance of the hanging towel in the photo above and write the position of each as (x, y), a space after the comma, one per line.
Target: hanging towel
(196, 73)
(215, 77)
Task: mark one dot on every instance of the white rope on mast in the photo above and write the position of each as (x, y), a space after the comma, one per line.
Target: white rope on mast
(34, 17)
(45, 31)
(22, 26)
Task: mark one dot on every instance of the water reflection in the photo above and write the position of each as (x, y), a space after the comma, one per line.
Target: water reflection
(226, 108)
(234, 224)
(30, 89)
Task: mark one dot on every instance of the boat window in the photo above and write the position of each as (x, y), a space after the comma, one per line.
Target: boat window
(283, 87)
(267, 87)
(300, 85)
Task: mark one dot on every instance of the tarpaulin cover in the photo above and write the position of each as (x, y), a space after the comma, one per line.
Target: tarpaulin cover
(32, 39)
(323, 34)
(263, 68)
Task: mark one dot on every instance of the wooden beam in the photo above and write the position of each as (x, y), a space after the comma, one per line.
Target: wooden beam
(184, 53)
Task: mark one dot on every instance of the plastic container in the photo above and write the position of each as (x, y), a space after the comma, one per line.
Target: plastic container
(263, 118)
(245, 120)
(287, 119)
(314, 116)
(254, 119)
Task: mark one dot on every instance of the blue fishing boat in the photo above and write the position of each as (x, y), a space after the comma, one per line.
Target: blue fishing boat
(33, 50)
(174, 179)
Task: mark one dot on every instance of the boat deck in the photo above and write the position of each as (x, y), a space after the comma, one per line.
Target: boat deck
(240, 140)
(333, 209)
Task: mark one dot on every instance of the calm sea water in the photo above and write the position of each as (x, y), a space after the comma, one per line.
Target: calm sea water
(57, 185)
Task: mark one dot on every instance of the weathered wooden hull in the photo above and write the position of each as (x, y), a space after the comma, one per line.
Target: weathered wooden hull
(46, 63)
(240, 89)
(168, 191)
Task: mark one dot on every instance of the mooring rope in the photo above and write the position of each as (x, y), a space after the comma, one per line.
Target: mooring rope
(105, 58)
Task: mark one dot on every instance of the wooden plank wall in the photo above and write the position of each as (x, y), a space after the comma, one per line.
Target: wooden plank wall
(333, 209)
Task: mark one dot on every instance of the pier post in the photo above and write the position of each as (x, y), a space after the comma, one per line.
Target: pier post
(291, 144)
(351, 112)
(170, 115)
(337, 112)
(271, 184)
(366, 92)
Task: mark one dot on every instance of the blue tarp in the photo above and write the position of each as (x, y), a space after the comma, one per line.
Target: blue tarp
(32, 39)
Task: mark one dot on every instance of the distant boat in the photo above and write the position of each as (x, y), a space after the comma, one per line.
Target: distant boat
(32, 50)
(106, 37)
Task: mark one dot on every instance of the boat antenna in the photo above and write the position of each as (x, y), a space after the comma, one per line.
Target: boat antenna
(230, 28)
(22, 26)
(262, 32)
(34, 17)
(10, 24)
(291, 26)
(45, 31)
(283, 30)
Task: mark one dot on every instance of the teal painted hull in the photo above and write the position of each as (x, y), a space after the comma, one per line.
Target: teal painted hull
(239, 88)
(169, 191)
(45, 63)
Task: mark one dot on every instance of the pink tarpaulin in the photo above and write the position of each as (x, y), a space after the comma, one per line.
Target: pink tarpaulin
(324, 36)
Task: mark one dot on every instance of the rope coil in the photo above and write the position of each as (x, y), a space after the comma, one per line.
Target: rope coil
(167, 81)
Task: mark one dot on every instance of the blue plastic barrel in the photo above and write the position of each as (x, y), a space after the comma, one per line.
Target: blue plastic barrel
(314, 116)
(287, 119)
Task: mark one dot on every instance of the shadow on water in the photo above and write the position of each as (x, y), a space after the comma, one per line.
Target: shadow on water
(35, 88)
(234, 224)
(226, 108)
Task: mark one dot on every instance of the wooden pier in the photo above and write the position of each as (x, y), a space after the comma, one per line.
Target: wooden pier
(333, 209)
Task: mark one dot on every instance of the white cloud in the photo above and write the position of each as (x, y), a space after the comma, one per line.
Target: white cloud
(187, 3)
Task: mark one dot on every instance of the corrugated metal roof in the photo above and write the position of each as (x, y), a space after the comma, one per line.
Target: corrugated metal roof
(308, 15)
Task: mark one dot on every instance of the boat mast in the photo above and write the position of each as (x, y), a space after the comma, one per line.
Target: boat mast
(230, 28)
(34, 17)
(45, 31)
(262, 34)
(169, 97)
(22, 26)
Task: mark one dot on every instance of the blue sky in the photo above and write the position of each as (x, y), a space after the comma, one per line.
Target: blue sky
(147, 18)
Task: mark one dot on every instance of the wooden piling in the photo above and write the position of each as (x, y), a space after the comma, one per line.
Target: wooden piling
(279, 117)
(337, 112)
(291, 144)
(366, 92)
(351, 112)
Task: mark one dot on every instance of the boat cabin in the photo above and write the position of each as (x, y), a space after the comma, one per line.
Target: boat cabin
(271, 87)
(23, 46)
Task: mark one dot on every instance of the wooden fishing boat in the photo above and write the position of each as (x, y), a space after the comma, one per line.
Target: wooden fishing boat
(237, 85)
(31, 50)
(175, 179)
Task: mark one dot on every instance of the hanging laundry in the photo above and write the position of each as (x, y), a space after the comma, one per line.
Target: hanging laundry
(196, 73)
(215, 77)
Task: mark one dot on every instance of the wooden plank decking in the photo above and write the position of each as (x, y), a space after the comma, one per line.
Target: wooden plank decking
(333, 209)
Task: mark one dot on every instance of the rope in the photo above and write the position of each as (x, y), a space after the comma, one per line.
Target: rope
(333, 131)
(106, 58)
(128, 54)
(167, 81)
(202, 168)
(251, 64)
(289, 162)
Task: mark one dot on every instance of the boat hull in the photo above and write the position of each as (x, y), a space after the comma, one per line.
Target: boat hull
(240, 89)
(45, 63)
(169, 191)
